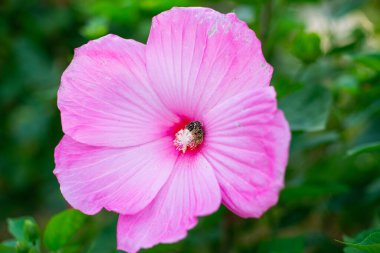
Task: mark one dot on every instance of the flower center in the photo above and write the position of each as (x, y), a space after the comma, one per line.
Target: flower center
(189, 137)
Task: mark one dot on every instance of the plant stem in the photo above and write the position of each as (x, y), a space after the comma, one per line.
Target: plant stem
(227, 233)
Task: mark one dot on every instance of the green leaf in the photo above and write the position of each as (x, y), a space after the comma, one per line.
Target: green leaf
(119, 11)
(7, 249)
(34, 250)
(245, 13)
(371, 60)
(95, 28)
(31, 231)
(22, 247)
(283, 245)
(105, 241)
(342, 7)
(307, 109)
(16, 226)
(157, 6)
(368, 241)
(303, 141)
(306, 47)
(62, 228)
(310, 191)
(367, 147)
(10, 243)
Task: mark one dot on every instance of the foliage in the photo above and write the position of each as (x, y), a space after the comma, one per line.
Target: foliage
(326, 57)
(366, 241)
(62, 228)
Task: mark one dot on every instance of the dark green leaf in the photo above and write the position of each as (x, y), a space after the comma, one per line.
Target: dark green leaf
(283, 245)
(369, 241)
(343, 7)
(371, 60)
(307, 109)
(310, 191)
(368, 147)
(309, 140)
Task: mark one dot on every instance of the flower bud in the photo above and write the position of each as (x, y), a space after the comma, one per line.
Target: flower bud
(31, 232)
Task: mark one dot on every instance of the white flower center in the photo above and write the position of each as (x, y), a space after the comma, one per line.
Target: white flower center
(183, 139)
(189, 137)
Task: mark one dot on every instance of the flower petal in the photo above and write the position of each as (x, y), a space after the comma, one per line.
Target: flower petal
(247, 145)
(105, 97)
(192, 190)
(124, 180)
(197, 57)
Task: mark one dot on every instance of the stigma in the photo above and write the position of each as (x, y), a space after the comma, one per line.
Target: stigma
(190, 137)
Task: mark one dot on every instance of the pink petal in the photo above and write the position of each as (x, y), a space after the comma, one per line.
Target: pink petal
(197, 57)
(105, 97)
(192, 190)
(124, 180)
(246, 142)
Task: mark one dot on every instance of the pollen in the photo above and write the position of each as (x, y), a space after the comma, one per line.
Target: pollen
(189, 137)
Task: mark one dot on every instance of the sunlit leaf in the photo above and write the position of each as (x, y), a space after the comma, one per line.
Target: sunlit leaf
(95, 28)
(306, 47)
(7, 249)
(16, 226)
(120, 11)
(62, 228)
(153, 5)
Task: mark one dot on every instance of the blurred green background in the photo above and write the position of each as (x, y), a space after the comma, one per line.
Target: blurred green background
(326, 57)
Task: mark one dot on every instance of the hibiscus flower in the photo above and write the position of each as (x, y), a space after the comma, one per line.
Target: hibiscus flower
(165, 132)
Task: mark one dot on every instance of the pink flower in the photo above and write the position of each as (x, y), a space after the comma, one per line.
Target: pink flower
(165, 132)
